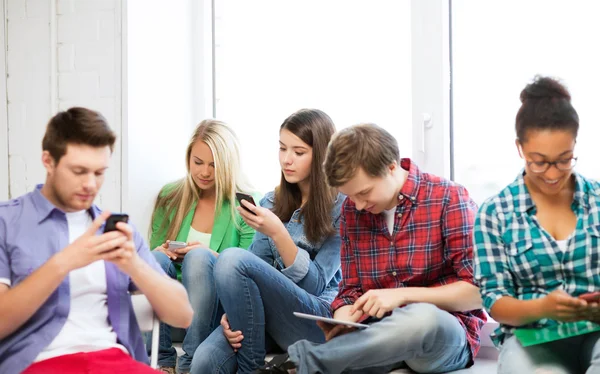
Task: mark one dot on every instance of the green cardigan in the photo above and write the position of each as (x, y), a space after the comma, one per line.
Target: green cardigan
(224, 234)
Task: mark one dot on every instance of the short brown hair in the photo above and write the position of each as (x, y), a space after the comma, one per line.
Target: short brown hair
(365, 146)
(76, 126)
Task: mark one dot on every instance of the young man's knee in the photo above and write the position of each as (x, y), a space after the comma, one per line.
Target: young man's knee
(422, 316)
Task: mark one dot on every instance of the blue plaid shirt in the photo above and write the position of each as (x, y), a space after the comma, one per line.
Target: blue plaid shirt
(516, 257)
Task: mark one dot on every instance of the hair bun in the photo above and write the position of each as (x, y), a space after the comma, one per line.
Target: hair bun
(545, 88)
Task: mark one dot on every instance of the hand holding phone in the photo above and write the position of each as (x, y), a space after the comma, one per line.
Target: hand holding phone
(591, 297)
(242, 196)
(111, 221)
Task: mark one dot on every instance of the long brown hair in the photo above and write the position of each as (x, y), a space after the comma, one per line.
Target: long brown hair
(314, 128)
(229, 178)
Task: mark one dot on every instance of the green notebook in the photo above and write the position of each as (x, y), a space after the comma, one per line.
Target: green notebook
(528, 337)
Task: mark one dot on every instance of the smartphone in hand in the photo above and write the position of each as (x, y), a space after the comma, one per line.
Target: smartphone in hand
(111, 221)
(173, 245)
(591, 297)
(242, 196)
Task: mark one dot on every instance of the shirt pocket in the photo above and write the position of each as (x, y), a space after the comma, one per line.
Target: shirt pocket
(592, 256)
(594, 233)
(523, 262)
(22, 264)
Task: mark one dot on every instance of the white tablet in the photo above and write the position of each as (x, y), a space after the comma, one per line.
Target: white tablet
(331, 320)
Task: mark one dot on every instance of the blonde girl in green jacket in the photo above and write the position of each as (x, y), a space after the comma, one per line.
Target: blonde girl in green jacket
(199, 210)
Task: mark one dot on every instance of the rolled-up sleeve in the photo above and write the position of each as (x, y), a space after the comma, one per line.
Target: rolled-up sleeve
(314, 275)
(491, 263)
(145, 254)
(300, 268)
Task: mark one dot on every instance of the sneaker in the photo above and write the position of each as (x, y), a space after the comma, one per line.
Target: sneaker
(167, 370)
(280, 364)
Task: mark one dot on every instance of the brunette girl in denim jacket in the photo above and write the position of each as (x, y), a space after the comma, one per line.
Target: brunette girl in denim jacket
(293, 264)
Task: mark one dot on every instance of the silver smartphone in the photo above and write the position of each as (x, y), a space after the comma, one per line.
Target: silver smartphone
(173, 245)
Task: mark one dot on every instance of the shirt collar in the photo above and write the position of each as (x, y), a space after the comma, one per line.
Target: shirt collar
(44, 207)
(410, 188)
(524, 203)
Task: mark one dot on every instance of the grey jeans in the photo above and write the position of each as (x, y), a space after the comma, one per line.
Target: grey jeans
(579, 354)
(421, 336)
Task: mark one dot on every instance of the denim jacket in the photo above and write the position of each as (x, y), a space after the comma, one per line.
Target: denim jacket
(317, 266)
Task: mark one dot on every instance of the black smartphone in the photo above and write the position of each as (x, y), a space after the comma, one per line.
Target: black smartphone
(242, 196)
(111, 221)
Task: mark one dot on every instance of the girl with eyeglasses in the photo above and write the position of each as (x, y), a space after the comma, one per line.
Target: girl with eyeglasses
(537, 244)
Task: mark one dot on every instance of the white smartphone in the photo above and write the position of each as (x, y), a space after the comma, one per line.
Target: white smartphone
(173, 245)
(331, 320)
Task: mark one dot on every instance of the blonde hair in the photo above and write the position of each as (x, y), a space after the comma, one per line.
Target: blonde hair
(229, 178)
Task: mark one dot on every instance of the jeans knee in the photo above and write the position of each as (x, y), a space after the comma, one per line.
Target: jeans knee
(163, 260)
(230, 262)
(423, 317)
(197, 262)
(201, 362)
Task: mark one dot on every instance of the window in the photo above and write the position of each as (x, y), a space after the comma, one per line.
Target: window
(497, 49)
(351, 59)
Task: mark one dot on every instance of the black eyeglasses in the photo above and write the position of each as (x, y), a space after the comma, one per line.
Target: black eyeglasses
(542, 166)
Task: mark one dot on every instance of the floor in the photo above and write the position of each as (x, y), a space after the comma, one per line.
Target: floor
(484, 364)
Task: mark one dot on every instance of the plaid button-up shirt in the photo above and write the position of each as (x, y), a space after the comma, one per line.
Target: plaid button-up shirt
(516, 257)
(431, 244)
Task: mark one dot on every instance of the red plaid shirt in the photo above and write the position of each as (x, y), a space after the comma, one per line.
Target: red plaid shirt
(431, 244)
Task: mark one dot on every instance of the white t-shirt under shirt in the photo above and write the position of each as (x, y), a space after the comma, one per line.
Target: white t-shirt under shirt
(562, 245)
(87, 328)
(197, 236)
(389, 219)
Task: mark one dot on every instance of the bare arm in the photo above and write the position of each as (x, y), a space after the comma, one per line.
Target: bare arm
(459, 296)
(285, 246)
(558, 305)
(510, 311)
(167, 296)
(266, 222)
(18, 304)
(455, 297)
(344, 314)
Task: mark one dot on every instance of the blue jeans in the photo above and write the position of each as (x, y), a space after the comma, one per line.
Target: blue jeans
(197, 278)
(579, 354)
(258, 300)
(420, 336)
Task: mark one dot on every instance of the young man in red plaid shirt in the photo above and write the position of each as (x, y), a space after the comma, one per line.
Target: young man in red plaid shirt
(406, 265)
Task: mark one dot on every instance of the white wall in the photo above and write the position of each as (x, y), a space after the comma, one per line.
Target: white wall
(59, 54)
(431, 85)
(3, 112)
(62, 53)
(164, 105)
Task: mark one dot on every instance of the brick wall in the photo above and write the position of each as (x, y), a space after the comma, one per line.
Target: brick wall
(59, 54)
